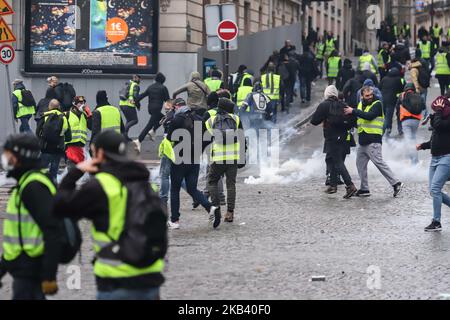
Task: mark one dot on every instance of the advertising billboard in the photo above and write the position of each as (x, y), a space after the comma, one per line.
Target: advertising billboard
(92, 36)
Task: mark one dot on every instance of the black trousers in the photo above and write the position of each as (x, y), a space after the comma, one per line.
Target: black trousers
(153, 123)
(27, 289)
(130, 114)
(444, 82)
(336, 164)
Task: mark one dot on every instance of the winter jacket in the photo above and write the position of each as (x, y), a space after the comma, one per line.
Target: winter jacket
(367, 74)
(344, 74)
(90, 202)
(15, 101)
(440, 138)
(350, 91)
(415, 75)
(333, 133)
(37, 198)
(157, 94)
(391, 85)
(197, 94)
(308, 67)
(43, 103)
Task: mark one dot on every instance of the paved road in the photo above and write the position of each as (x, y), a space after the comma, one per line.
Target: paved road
(287, 230)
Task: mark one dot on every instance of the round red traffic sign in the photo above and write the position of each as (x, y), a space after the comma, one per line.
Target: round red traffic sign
(227, 30)
(7, 54)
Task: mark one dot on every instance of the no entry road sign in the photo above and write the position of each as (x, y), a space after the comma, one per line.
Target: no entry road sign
(227, 30)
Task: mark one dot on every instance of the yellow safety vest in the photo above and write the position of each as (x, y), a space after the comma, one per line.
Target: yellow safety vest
(222, 152)
(20, 232)
(78, 128)
(213, 84)
(166, 149)
(23, 110)
(425, 49)
(374, 126)
(333, 67)
(110, 118)
(117, 195)
(367, 58)
(330, 46)
(242, 94)
(271, 85)
(320, 51)
(381, 60)
(442, 67)
(130, 97)
(436, 31)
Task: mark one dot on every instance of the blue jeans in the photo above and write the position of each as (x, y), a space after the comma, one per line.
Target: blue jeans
(424, 95)
(51, 161)
(128, 294)
(164, 173)
(410, 127)
(389, 114)
(189, 173)
(25, 124)
(439, 174)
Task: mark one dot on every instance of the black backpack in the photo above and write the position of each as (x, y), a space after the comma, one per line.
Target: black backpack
(144, 238)
(68, 95)
(50, 132)
(336, 117)
(27, 98)
(413, 103)
(226, 126)
(424, 77)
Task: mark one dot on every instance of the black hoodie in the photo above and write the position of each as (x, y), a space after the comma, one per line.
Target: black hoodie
(390, 86)
(91, 202)
(344, 74)
(43, 103)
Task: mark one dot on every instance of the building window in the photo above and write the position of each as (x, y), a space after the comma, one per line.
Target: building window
(339, 12)
(246, 17)
(283, 20)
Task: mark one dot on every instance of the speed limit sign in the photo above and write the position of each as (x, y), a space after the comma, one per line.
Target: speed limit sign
(7, 54)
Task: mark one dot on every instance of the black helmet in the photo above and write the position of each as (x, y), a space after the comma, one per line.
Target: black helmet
(24, 146)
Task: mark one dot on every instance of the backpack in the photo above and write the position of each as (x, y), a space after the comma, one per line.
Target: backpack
(144, 238)
(124, 92)
(336, 117)
(226, 125)
(413, 103)
(424, 78)
(27, 98)
(50, 132)
(68, 95)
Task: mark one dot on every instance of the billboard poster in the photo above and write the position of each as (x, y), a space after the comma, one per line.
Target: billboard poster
(92, 36)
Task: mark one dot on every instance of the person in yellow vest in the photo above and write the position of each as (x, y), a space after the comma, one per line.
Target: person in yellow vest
(384, 59)
(226, 154)
(79, 118)
(214, 82)
(24, 106)
(129, 105)
(370, 131)
(53, 129)
(436, 33)
(330, 44)
(105, 116)
(106, 200)
(271, 85)
(368, 58)
(237, 79)
(334, 64)
(31, 237)
(320, 55)
(406, 31)
(243, 92)
(442, 60)
(424, 50)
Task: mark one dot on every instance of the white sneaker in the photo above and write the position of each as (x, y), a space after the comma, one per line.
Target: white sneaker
(138, 145)
(215, 216)
(173, 225)
(152, 135)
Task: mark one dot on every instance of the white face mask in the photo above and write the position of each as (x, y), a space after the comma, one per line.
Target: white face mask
(5, 164)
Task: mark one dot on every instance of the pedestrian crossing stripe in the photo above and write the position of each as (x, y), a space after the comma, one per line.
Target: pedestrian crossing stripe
(5, 8)
(6, 34)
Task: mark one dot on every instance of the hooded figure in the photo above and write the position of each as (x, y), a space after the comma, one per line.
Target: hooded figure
(345, 74)
(197, 92)
(391, 86)
(42, 106)
(376, 92)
